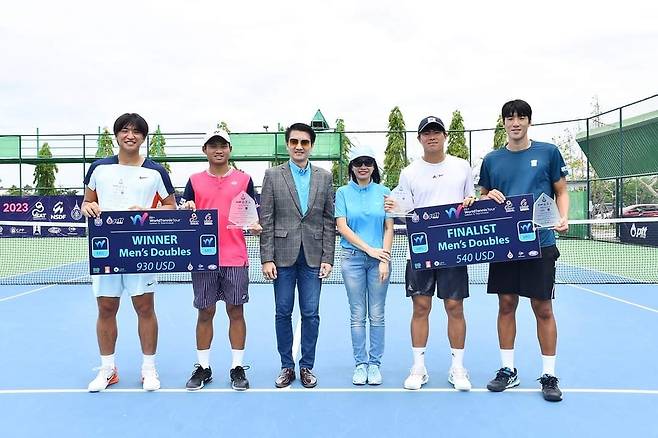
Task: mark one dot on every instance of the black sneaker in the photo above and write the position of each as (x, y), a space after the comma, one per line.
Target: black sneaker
(549, 388)
(200, 376)
(505, 378)
(239, 380)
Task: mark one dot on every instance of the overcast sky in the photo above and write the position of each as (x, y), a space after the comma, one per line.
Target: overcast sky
(71, 66)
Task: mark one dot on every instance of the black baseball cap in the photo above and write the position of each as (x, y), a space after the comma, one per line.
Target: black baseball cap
(431, 120)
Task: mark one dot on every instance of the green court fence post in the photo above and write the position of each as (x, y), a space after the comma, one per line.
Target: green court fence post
(470, 148)
(589, 188)
(84, 156)
(20, 165)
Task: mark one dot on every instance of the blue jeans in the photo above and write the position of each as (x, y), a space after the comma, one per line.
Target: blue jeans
(308, 286)
(367, 296)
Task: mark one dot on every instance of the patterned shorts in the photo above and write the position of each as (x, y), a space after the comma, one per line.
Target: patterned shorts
(229, 284)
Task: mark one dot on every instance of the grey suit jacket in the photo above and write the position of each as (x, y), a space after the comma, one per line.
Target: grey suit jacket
(285, 229)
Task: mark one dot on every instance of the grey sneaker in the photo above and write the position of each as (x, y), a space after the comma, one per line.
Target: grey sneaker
(374, 375)
(360, 376)
(505, 378)
(549, 388)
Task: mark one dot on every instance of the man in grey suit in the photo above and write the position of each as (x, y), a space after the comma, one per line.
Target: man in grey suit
(297, 247)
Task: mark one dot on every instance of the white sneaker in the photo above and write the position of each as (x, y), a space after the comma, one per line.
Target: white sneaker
(150, 379)
(417, 378)
(459, 379)
(106, 377)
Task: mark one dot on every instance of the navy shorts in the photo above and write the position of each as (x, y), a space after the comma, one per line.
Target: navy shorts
(533, 278)
(229, 284)
(449, 283)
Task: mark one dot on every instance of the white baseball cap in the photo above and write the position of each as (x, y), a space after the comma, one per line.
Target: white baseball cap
(216, 132)
(361, 151)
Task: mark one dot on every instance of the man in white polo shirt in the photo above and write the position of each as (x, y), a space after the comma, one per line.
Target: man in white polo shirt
(436, 179)
(126, 181)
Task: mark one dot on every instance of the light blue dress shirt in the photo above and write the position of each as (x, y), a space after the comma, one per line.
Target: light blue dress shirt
(302, 178)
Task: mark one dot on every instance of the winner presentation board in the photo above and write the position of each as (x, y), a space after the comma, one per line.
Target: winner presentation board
(129, 242)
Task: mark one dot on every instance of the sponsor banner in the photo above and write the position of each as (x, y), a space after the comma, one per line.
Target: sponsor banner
(451, 235)
(128, 242)
(639, 233)
(60, 208)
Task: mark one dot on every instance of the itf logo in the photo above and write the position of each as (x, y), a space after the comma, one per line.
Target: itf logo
(455, 212)
(100, 247)
(139, 219)
(419, 243)
(208, 244)
(526, 231)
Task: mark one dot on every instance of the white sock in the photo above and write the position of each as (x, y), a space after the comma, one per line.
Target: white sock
(419, 357)
(148, 361)
(548, 364)
(457, 357)
(107, 361)
(237, 357)
(203, 357)
(507, 358)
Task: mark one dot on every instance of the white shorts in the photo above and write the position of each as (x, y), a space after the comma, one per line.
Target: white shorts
(115, 284)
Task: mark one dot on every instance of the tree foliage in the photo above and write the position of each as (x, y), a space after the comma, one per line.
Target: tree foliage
(395, 156)
(157, 148)
(44, 173)
(14, 190)
(572, 154)
(105, 147)
(500, 136)
(457, 137)
(339, 169)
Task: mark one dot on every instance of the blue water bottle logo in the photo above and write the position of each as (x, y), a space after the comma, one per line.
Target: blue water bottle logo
(100, 247)
(526, 231)
(419, 243)
(208, 244)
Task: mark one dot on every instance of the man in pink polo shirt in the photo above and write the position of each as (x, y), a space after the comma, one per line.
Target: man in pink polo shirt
(215, 188)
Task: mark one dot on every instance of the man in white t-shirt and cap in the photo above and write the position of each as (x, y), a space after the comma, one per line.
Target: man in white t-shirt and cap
(435, 179)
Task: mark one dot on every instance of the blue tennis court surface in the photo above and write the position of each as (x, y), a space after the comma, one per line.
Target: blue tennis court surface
(607, 362)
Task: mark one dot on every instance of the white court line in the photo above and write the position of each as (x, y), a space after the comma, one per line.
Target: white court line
(630, 303)
(31, 291)
(329, 390)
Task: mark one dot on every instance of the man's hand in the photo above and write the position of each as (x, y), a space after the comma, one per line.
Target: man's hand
(269, 270)
(255, 229)
(90, 209)
(325, 270)
(496, 195)
(563, 226)
(188, 205)
(468, 201)
(389, 204)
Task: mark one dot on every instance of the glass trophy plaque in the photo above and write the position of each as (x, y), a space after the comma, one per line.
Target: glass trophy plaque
(243, 213)
(545, 213)
(403, 203)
